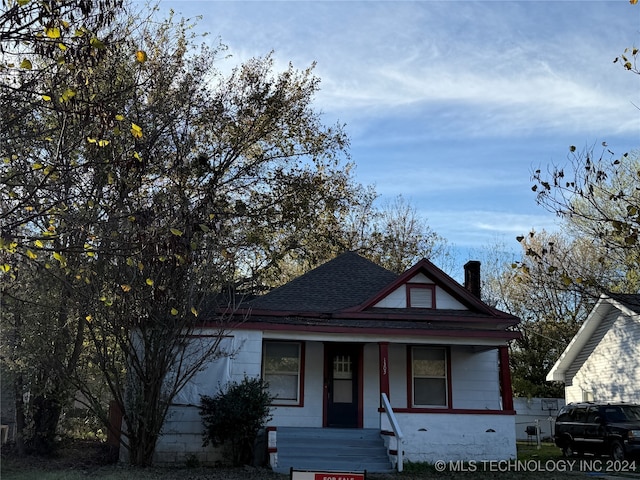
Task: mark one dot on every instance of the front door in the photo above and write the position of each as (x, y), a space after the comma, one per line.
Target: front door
(342, 388)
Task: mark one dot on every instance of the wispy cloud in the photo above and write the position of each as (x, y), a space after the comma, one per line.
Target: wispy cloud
(452, 103)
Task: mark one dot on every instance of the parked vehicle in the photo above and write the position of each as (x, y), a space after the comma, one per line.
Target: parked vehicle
(603, 429)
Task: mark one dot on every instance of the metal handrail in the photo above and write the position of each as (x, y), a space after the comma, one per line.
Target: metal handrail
(395, 427)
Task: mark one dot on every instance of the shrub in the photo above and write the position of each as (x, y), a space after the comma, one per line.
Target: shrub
(232, 418)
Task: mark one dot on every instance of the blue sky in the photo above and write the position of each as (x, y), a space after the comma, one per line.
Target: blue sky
(452, 104)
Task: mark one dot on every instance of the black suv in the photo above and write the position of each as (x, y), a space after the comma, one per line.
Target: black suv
(606, 429)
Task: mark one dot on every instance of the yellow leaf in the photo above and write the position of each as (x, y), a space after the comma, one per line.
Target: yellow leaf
(149, 282)
(125, 287)
(130, 261)
(91, 140)
(39, 244)
(62, 46)
(37, 166)
(5, 267)
(22, 3)
(65, 24)
(67, 95)
(52, 32)
(119, 118)
(110, 178)
(194, 311)
(60, 258)
(176, 232)
(103, 143)
(31, 255)
(95, 42)
(140, 266)
(46, 98)
(88, 318)
(141, 56)
(137, 156)
(26, 64)
(136, 131)
(174, 311)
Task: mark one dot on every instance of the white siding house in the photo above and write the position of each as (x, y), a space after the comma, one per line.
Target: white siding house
(602, 362)
(332, 341)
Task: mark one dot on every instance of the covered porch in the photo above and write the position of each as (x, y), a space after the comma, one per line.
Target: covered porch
(445, 393)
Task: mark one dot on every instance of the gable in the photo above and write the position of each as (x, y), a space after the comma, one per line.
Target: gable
(446, 293)
(415, 293)
(596, 327)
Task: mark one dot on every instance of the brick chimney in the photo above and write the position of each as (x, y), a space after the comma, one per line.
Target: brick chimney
(472, 277)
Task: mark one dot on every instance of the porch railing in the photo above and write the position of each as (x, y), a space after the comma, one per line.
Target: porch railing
(397, 432)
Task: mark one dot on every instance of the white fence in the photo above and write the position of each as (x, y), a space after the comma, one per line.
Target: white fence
(528, 410)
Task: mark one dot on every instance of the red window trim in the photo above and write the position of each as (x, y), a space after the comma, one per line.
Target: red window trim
(458, 411)
(300, 402)
(447, 354)
(424, 286)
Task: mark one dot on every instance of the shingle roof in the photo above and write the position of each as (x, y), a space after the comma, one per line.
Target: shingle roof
(346, 281)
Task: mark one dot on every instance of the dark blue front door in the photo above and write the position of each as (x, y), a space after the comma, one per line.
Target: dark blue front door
(341, 384)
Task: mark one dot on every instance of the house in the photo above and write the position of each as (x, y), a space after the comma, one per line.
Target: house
(602, 361)
(331, 342)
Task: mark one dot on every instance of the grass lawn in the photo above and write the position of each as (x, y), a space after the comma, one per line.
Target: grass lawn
(84, 460)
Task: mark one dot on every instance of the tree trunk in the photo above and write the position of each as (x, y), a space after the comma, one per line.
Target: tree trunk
(46, 415)
(18, 387)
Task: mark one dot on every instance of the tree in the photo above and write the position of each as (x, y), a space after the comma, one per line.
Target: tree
(394, 235)
(136, 215)
(597, 196)
(551, 310)
(48, 51)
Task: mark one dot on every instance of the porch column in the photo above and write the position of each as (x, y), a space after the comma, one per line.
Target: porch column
(505, 379)
(384, 367)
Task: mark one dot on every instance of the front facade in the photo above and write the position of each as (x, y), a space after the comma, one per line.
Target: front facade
(602, 361)
(331, 342)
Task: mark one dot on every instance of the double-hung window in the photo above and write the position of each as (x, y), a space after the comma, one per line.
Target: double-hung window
(429, 377)
(281, 367)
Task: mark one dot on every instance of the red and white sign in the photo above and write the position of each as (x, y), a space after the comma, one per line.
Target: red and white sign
(304, 475)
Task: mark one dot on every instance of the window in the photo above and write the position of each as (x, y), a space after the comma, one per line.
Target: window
(281, 370)
(429, 376)
(420, 295)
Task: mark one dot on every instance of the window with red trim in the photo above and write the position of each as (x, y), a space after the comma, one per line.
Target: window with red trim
(421, 295)
(429, 377)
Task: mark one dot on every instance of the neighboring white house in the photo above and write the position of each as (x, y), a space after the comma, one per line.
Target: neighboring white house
(330, 342)
(602, 361)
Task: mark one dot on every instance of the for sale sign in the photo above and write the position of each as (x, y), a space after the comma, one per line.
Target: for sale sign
(329, 475)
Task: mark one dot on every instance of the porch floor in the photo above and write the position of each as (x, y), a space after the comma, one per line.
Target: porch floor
(331, 449)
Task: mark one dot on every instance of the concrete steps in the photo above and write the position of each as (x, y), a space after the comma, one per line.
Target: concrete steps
(331, 449)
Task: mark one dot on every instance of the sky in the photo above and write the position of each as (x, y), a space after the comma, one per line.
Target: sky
(452, 104)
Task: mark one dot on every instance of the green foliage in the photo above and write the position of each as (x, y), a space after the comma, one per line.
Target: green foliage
(234, 417)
